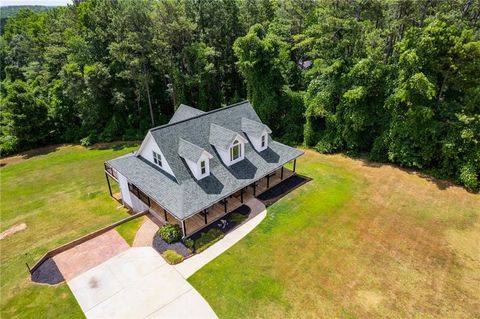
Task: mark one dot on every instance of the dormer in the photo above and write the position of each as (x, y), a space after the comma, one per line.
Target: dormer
(257, 132)
(197, 158)
(150, 151)
(230, 145)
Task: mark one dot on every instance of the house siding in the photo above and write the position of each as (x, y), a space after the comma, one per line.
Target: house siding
(195, 167)
(146, 151)
(257, 142)
(126, 195)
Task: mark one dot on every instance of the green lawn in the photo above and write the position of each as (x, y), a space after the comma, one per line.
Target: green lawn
(357, 241)
(61, 196)
(129, 229)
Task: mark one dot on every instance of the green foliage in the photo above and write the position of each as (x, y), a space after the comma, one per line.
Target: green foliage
(172, 257)
(238, 218)
(170, 233)
(189, 243)
(414, 103)
(208, 239)
(396, 80)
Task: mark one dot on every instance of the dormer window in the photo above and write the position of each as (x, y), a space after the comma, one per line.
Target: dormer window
(157, 158)
(263, 140)
(235, 151)
(203, 167)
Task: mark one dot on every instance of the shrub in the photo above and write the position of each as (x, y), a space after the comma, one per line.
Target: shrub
(469, 177)
(189, 243)
(238, 218)
(172, 257)
(208, 239)
(89, 140)
(170, 233)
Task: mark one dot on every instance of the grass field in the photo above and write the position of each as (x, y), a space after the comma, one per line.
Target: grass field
(60, 195)
(358, 241)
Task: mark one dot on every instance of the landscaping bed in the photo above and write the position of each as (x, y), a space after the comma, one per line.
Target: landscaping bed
(276, 192)
(226, 226)
(47, 273)
(161, 246)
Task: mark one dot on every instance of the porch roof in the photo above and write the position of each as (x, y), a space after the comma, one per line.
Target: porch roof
(185, 199)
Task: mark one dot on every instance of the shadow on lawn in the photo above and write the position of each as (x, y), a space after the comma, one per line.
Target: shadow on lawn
(440, 183)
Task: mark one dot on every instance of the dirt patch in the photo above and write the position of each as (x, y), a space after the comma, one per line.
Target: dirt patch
(12, 230)
(30, 153)
(369, 299)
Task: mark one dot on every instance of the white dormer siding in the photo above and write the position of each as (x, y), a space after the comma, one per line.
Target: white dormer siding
(226, 155)
(257, 132)
(260, 143)
(196, 167)
(150, 151)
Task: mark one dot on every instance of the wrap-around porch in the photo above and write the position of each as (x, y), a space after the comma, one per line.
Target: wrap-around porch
(215, 212)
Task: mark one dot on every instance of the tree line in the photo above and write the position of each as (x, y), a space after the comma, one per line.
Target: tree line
(396, 80)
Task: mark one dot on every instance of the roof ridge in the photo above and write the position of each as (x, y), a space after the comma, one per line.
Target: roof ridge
(195, 145)
(200, 115)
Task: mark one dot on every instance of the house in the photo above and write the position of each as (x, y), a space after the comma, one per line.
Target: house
(200, 166)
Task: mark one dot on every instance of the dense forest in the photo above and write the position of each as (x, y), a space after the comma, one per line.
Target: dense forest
(398, 81)
(9, 11)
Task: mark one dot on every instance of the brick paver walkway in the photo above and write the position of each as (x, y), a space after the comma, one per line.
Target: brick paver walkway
(89, 254)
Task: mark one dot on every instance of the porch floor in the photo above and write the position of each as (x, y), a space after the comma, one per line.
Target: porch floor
(217, 211)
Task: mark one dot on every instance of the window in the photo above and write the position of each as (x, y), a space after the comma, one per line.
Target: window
(203, 167)
(235, 151)
(263, 140)
(157, 158)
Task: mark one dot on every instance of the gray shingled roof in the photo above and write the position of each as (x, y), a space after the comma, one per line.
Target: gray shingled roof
(254, 128)
(184, 112)
(221, 137)
(184, 196)
(189, 151)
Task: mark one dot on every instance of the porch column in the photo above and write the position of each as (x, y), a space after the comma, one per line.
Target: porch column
(268, 181)
(165, 214)
(109, 187)
(294, 164)
(205, 216)
(184, 229)
(241, 196)
(281, 173)
(225, 204)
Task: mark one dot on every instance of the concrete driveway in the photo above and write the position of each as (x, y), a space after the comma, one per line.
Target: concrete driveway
(137, 283)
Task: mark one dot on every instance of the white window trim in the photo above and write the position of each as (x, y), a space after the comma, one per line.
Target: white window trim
(157, 158)
(238, 145)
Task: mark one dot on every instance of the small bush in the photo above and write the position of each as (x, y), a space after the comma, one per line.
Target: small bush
(170, 233)
(208, 239)
(89, 140)
(237, 218)
(189, 243)
(172, 257)
(469, 177)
